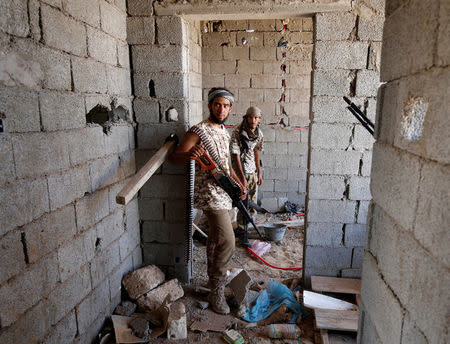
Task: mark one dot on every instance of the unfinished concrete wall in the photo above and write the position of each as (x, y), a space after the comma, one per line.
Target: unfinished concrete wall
(346, 63)
(266, 63)
(406, 277)
(64, 243)
(160, 59)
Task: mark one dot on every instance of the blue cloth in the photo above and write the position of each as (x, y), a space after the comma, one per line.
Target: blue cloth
(270, 299)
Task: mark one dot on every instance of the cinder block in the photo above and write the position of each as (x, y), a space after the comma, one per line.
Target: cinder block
(362, 139)
(398, 62)
(262, 25)
(110, 228)
(236, 81)
(61, 111)
(326, 187)
(89, 75)
(359, 188)
(215, 54)
(131, 214)
(267, 185)
(94, 305)
(104, 262)
(128, 242)
(307, 24)
(159, 254)
(156, 231)
(334, 26)
(77, 253)
(331, 136)
(300, 67)
(150, 209)
(295, 24)
(123, 55)
(264, 82)
(81, 144)
(328, 257)
(342, 55)
(355, 235)
(252, 94)
(295, 82)
(363, 212)
(272, 95)
(375, 56)
(113, 21)
(14, 18)
(367, 83)
(34, 17)
(171, 30)
(288, 135)
(300, 38)
(357, 258)
(278, 148)
(411, 333)
(92, 332)
(12, 253)
(271, 39)
(270, 204)
(297, 197)
(430, 227)
(20, 108)
(167, 85)
(250, 67)
(223, 67)
(371, 29)
(64, 331)
(380, 302)
(333, 110)
(62, 32)
(29, 327)
(393, 186)
(101, 46)
(28, 194)
(49, 232)
(332, 82)
(92, 208)
(7, 172)
(154, 298)
(289, 161)
(164, 187)
(67, 294)
(263, 53)
(251, 39)
(39, 153)
(118, 79)
(117, 141)
(285, 185)
(324, 234)
(153, 59)
(297, 148)
(173, 210)
(146, 110)
(235, 25)
(300, 52)
(351, 273)
(331, 211)
(218, 39)
(443, 50)
(55, 65)
(84, 10)
(139, 8)
(334, 162)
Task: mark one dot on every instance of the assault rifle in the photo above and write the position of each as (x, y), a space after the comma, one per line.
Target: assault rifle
(230, 187)
(360, 116)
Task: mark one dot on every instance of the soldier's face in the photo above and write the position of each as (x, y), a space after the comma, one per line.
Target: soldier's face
(253, 121)
(219, 109)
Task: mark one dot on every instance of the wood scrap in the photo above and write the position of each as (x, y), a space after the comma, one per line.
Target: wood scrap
(315, 300)
(342, 320)
(336, 285)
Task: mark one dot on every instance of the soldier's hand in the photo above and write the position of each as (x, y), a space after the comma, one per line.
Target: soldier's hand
(196, 151)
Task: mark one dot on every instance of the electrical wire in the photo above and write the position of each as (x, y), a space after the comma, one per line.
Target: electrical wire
(270, 265)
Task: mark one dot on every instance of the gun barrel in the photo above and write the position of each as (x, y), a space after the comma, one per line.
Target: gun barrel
(360, 116)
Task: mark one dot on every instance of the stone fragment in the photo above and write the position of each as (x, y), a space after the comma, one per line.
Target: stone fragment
(126, 308)
(240, 286)
(140, 328)
(177, 327)
(154, 298)
(142, 281)
(202, 304)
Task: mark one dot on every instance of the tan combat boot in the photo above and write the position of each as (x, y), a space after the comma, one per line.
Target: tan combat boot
(217, 297)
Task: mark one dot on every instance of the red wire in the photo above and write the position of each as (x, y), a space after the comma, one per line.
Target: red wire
(272, 266)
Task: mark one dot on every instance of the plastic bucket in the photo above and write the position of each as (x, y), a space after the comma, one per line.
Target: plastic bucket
(274, 231)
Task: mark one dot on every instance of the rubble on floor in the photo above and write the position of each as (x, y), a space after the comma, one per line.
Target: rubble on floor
(160, 311)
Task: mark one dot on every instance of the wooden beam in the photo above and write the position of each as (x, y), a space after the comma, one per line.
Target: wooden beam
(315, 300)
(342, 320)
(134, 185)
(336, 285)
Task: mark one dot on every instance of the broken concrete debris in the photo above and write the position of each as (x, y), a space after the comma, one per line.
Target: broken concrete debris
(240, 286)
(177, 323)
(152, 299)
(142, 280)
(125, 308)
(140, 328)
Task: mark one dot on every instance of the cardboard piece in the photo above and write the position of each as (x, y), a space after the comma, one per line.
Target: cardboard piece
(123, 332)
(211, 321)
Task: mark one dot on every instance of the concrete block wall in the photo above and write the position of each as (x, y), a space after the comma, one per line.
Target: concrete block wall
(266, 63)
(64, 243)
(345, 63)
(406, 275)
(165, 54)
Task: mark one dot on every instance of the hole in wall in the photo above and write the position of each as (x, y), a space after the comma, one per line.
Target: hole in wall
(1, 127)
(414, 113)
(101, 115)
(151, 89)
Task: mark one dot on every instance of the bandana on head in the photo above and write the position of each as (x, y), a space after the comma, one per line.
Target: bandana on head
(220, 93)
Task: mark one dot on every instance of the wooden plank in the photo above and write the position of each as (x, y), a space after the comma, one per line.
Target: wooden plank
(342, 320)
(336, 285)
(133, 186)
(315, 300)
